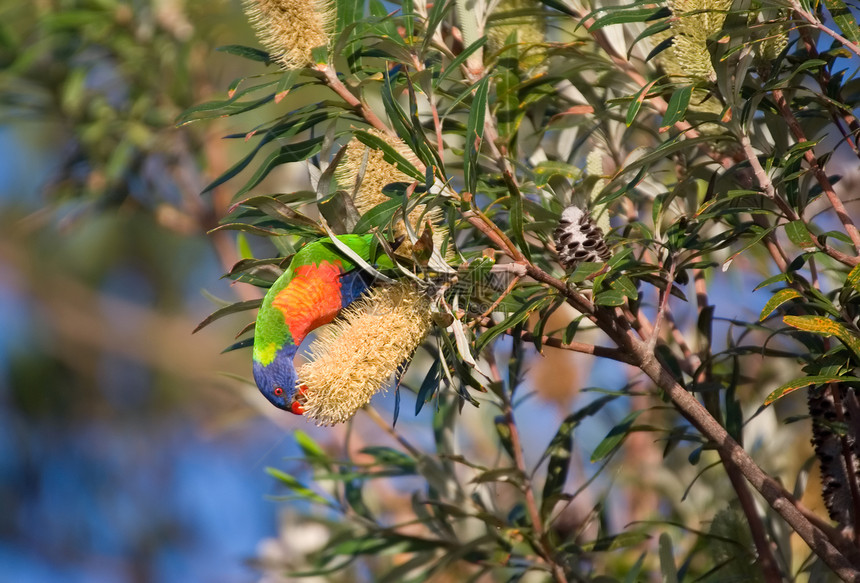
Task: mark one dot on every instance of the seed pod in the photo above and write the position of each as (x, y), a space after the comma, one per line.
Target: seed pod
(834, 436)
(578, 239)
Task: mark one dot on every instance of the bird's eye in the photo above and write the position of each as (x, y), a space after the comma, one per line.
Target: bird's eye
(279, 392)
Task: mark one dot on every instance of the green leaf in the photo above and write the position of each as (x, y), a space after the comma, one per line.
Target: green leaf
(459, 60)
(285, 84)
(226, 311)
(760, 234)
(842, 16)
(516, 318)
(296, 486)
(244, 343)
(677, 107)
(379, 216)
(559, 451)
(225, 108)
(246, 53)
(508, 111)
(800, 235)
(625, 285)
(802, 382)
(475, 134)
(853, 278)
(296, 122)
(667, 560)
(278, 210)
(429, 386)
(615, 437)
(352, 492)
(383, 545)
(390, 154)
(780, 277)
(392, 458)
(609, 297)
(636, 104)
(825, 327)
(777, 300)
(503, 430)
(312, 451)
(340, 212)
(545, 170)
(627, 15)
(289, 153)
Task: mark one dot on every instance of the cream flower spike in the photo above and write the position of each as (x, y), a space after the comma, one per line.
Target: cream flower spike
(355, 356)
(377, 175)
(290, 29)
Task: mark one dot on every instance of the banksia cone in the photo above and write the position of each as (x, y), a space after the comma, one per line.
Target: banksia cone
(834, 437)
(354, 358)
(289, 29)
(694, 22)
(529, 28)
(578, 239)
(377, 175)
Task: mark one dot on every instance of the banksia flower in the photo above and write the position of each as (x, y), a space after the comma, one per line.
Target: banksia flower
(377, 175)
(834, 437)
(578, 239)
(290, 29)
(353, 359)
(529, 28)
(694, 22)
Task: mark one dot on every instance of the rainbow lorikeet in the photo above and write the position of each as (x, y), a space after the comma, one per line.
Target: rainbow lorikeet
(319, 282)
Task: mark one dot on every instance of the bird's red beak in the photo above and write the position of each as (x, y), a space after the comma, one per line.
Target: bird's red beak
(296, 408)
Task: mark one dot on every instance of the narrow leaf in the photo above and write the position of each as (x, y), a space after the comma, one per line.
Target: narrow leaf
(777, 300)
(802, 382)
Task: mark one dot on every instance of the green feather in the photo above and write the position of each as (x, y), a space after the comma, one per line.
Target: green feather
(271, 332)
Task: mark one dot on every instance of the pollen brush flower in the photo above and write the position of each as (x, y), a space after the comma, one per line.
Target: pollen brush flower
(353, 359)
(693, 23)
(365, 172)
(525, 19)
(290, 29)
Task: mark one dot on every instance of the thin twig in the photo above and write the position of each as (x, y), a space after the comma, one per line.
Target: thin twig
(362, 108)
(853, 47)
(817, 171)
(544, 547)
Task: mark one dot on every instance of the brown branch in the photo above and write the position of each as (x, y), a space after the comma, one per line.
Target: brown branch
(833, 548)
(837, 113)
(810, 18)
(770, 192)
(769, 566)
(335, 84)
(817, 171)
(544, 547)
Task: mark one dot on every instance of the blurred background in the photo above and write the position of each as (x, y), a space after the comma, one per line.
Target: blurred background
(124, 454)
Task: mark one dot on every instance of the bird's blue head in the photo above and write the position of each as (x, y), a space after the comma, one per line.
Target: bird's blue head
(277, 381)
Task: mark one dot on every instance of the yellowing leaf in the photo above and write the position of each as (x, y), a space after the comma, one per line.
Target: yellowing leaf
(777, 300)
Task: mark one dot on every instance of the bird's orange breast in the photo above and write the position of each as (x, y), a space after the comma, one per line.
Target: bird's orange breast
(311, 299)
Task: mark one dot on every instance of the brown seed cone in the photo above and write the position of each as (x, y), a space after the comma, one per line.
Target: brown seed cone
(578, 239)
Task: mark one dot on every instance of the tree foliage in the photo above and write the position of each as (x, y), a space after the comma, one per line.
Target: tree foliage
(707, 140)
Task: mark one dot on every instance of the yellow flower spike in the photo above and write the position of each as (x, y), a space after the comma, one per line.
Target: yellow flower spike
(377, 175)
(353, 359)
(290, 29)
(694, 22)
(530, 29)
